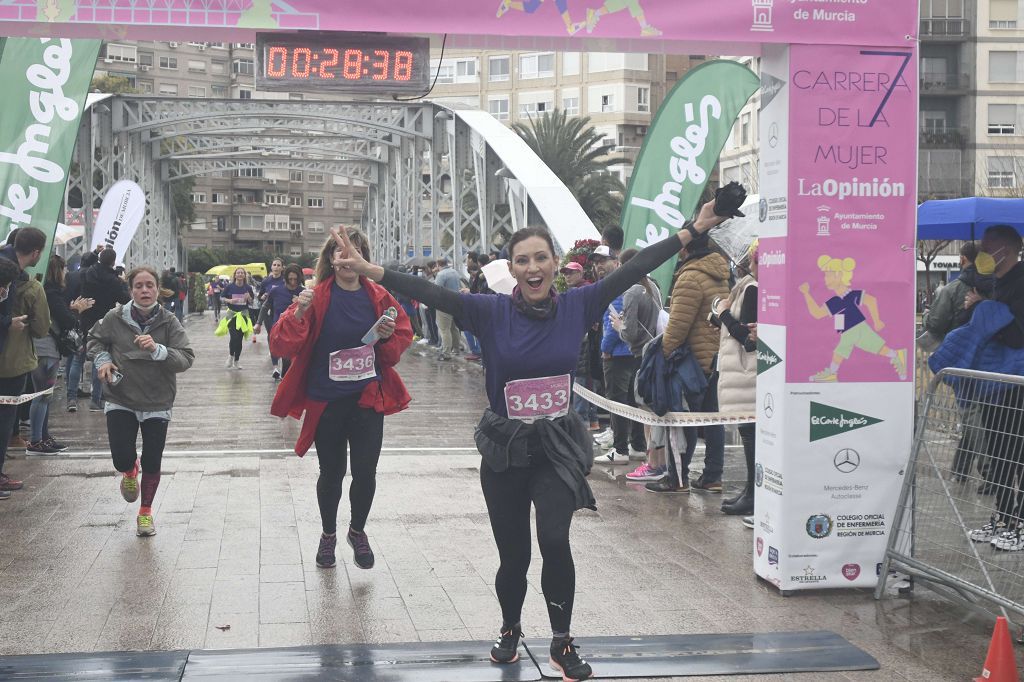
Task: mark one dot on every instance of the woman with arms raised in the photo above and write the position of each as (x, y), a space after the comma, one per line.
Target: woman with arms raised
(535, 449)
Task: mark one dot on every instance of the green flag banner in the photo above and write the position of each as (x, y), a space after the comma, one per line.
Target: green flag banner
(681, 148)
(45, 84)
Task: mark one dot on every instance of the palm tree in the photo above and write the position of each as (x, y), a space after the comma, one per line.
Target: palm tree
(572, 149)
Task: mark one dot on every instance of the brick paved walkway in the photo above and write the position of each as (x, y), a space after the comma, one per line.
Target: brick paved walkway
(238, 530)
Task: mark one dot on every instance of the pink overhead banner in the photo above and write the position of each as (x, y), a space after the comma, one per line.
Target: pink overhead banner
(696, 21)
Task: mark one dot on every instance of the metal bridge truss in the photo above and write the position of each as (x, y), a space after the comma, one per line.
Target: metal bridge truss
(434, 185)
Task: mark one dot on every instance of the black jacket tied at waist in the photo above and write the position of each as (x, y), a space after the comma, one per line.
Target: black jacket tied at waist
(564, 442)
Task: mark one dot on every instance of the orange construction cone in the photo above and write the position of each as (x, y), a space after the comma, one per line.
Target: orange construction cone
(1000, 664)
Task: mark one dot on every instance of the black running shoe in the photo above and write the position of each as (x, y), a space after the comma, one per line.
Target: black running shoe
(506, 647)
(566, 660)
(325, 554)
(361, 551)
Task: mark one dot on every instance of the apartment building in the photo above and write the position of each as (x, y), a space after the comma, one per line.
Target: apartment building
(620, 92)
(282, 212)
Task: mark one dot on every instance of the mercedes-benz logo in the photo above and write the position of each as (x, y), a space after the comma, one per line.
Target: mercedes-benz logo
(769, 405)
(773, 135)
(846, 460)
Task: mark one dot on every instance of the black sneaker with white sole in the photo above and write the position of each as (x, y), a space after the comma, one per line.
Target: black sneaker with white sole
(361, 552)
(506, 647)
(565, 658)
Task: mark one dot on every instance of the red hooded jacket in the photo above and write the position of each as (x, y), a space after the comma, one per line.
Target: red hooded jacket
(294, 338)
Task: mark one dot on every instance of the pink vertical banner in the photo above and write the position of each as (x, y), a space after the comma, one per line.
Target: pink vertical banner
(849, 300)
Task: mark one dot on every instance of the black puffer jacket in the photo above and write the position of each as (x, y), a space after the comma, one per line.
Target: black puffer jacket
(102, 284)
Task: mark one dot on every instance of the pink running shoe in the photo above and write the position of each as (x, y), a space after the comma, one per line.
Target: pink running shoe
(646, 472)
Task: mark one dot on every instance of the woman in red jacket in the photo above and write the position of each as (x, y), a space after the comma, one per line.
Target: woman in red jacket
(344, 386)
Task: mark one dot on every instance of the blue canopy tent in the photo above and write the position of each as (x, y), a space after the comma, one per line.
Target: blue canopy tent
(967, 218)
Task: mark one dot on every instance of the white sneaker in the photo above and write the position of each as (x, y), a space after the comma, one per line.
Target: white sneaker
(231, 363)
(605, 437)
(613, 457)
(237, 366)
(276, 374)
(422, 342)
(637, 455)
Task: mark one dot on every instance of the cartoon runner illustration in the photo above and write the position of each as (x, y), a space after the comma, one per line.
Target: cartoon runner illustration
(849, 320)
(531, 6)
(259, 15)
(615, 6)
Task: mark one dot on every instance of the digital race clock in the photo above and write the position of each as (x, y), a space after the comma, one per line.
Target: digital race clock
(349, 62)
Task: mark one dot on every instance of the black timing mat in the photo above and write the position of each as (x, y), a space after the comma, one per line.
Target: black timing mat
(405, 662)
(681, 655)
(117, 665)
(654, 656)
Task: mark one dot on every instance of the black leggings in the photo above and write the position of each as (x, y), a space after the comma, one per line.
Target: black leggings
(236, 335)
(122, 432)
(344, 424)
(508, 496)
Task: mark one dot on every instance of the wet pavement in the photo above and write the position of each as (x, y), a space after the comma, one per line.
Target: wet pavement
(232, 564)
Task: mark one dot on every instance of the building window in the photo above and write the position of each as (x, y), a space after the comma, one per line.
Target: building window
(314, 226)
(1002, 14)
(643, 100)
(465, 70)
(275, 199)
(744, 130)
(933, 121)
(218, 67)
(498, 69)
(571, 106)
(246, 46)
(531, 108)
(314, 202)
(294, 251)
(250, 222)
(146, 59)
(243, 93)
(1002, 119)
(196, 91)
(243, 66)
(249, 173)
(498, 108)
(219, 198)
(357, 204)
(537, 65)
(341, 204)
(219, 91)
(168, 62)
(1002, 67)
(145, 87)
(1001, 172)
(295, 226)
(122, 53)
(570, 63)
(295, 200)
(607, 103)
(445, 72)
(295, 176)
(196, 66)
(169, 89)
(315, 178)
(198, 197)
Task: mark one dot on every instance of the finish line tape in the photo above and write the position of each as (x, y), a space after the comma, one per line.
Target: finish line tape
(671, 419)
(19, 399)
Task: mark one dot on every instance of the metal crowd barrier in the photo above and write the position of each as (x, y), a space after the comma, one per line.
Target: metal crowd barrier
(966, 470)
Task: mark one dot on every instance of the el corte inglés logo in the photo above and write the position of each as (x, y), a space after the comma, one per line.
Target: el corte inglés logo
(827, 421)
(766, 357)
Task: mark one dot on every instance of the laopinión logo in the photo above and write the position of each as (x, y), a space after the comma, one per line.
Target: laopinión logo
(773, 556)
(819, 526)
(827, 421)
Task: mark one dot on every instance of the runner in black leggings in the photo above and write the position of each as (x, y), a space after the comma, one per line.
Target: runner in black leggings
(535, 448)
(237, 296)
(139, 348)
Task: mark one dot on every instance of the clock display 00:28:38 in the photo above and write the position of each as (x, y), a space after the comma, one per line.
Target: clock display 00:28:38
(302, 63)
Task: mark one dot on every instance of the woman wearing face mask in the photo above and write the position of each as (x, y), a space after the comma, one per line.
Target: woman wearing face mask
(737, 368)
(139, 348)
(345, 385)
(236, 296)
(278, 299)
(536, 450)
